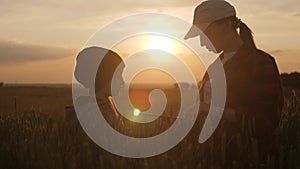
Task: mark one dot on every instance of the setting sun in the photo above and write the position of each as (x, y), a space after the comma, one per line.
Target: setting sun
(160, 43)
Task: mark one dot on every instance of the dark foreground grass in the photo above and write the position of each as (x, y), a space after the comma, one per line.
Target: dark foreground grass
(31, 139)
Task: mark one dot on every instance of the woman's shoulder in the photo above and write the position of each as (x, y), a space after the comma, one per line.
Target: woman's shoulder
(259, 57)
(262, 55)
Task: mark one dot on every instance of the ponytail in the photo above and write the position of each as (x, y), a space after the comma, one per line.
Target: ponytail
(246, 34)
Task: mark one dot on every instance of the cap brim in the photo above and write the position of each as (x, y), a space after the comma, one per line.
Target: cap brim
(195, 30)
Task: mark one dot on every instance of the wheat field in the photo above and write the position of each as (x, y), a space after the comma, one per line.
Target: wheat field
(35, 134)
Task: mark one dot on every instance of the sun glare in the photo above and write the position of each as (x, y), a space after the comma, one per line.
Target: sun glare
(160, 43)
(136, 112)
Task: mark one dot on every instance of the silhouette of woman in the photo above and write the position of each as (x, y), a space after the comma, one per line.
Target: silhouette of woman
(253, 82)
(87, 61)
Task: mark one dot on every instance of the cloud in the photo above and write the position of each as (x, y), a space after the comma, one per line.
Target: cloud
(59, 21)
(286, 54)
(266, 6)
(287, 59)
(69, 10)
(18, 52)
(73, 9)
(297, 15)
(277, 52)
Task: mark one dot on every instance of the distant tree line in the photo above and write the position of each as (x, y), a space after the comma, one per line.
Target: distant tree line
(291, 80)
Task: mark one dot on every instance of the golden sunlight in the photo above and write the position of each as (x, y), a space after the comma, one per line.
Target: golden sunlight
(136, 112)
(160, 43)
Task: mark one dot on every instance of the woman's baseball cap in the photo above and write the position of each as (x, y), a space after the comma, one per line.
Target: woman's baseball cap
(208, 12)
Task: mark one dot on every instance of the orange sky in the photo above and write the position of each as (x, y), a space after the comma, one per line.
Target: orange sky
(39, 40)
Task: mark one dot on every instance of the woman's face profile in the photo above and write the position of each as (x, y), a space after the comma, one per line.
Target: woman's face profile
(206, 42)
(112, 64)
(214, 36)
(118, 81)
